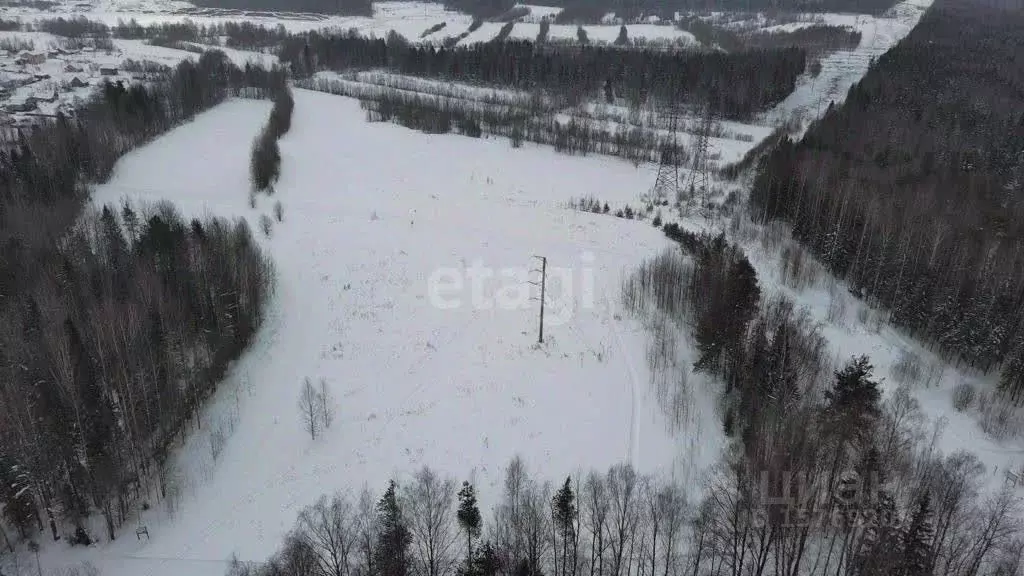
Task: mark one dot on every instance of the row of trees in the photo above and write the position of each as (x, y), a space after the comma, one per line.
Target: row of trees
(913, 190)
(265, 159)
(116, 324)
(823, 476)
(815, 39)
(341, 7)
(619, 522)
(593, 11)
(531, 122)
(737, 85)
(242, 35)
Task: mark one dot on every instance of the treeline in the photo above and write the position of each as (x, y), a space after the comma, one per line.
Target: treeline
(913, 190)
(751, 522)
(116, 325)
(815, 39)
(241, 35)
(530, 121)
(265, 159)
(738, 85)
(341, 7)
(822, 476)
(592, 11)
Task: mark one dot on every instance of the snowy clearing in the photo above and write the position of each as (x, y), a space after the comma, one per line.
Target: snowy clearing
(370, 212)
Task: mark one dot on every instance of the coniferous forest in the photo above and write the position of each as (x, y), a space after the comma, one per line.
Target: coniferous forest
(913, 190)
(117, 322)
(736, 85)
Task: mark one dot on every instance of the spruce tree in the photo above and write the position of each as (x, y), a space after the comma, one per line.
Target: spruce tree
(486, 562)
(853, 403)
(564, 508)
(469, 518)
(917, 540)
(391, 553)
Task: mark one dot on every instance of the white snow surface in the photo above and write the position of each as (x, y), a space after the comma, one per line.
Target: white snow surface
(842, 69)
(371, 211)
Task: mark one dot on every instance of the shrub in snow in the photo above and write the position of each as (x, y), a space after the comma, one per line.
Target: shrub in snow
(266, 225)
(964, 395)
(278, 211)
(907, 368)
(1000, 417)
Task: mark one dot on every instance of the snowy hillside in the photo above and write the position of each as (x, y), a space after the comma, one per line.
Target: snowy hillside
(406, 268)
(371, 213)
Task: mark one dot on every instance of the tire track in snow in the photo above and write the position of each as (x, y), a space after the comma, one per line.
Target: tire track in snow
(634, 421)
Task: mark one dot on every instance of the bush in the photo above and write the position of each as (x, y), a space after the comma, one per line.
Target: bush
(266, 225)
(964, 395)
(907, 369)
(278, 211)
(80, 537)
(265, 166)
(1000, 417)
(470, 127)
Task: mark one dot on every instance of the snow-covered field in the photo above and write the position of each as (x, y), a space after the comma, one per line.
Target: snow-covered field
(384, 230)
(372, 212)
(410, 19)
(842, 69)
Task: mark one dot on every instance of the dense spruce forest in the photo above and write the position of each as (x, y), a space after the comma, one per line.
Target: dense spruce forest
(913, 190)
(117, 322)
(592, 11)
(736, 85)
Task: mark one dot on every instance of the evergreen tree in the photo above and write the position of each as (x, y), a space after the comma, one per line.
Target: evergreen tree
(486, 562)
(780, 381)
(469, 518)
(391, 555)
(917, 559)
(564, 508)
(876, 554)
(853, 402)
(623, 38)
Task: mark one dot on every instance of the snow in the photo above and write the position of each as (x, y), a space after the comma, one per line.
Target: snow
(604, 34)
(371, 211)
(842, 69)
(537, 13)
(857, 331)
(60, 69)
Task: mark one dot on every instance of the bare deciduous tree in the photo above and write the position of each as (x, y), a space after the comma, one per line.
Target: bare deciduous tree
(428, 504)
(309, 408)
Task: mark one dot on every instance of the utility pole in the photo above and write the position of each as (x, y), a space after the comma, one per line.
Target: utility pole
(543, 284)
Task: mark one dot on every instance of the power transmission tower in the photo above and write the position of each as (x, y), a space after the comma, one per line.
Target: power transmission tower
(666, 185)
(543, 284)
(699, 171)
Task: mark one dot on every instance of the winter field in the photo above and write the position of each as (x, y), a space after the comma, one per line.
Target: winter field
(371, 213)
(404, 267)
